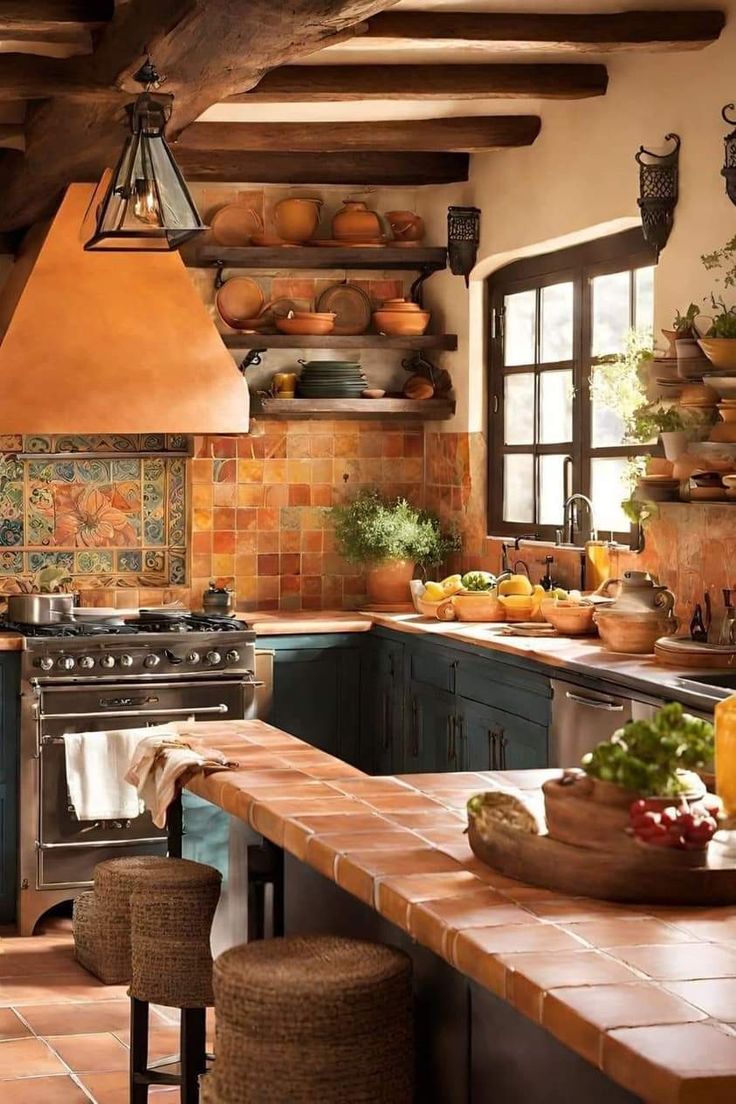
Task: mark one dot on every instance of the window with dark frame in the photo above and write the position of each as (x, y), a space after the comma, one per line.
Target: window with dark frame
(553, 318)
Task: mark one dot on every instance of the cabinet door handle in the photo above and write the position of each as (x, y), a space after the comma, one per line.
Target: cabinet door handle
(414, 728)
(503, 744)
(387, 726)
(492, 749)
(497, 744)
(391, 665)
(593, 703)
(451, 746)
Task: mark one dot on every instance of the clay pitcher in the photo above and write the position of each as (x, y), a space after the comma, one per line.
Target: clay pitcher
(356, 222)
(296, 219)
(406, 225)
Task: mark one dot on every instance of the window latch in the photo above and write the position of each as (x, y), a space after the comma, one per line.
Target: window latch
(497, 323)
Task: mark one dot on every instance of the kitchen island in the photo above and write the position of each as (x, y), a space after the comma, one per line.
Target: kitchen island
(522, 993)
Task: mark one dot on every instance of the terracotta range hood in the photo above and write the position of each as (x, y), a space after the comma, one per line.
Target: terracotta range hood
(110, 342)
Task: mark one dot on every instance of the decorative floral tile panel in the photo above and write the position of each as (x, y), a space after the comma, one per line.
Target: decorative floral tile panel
(109, 520)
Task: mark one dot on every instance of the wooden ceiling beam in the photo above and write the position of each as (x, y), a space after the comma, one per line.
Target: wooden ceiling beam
(446, 135)
(580, 32)
(208, 50)
(42, 27)
(356, 167)
(329, 83)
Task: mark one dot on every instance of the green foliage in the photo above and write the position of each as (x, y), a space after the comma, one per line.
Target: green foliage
(644, 756)
(724, 321)
(654, 418)
(372, 529)
(724, 259)
(637, 510)
(618, 383)
(683, 324)
(478, 580)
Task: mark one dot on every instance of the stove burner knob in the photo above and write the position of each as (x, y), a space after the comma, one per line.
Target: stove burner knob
(86, 663)
(45, 663)
(126, 660)
(232, 656)
(65, 663)
(193, 658)
(213, 658)
(107, 661)
(151, 660)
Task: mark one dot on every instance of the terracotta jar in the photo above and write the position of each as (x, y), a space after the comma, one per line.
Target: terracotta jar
(296, 220)
(406, 225)
(356, 222)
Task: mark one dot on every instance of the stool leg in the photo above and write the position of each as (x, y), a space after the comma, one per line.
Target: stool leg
(192, 1052)
(138, 1051)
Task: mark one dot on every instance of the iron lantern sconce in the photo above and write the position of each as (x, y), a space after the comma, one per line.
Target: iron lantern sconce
(658, 192)
(463, 237)
(729, 146)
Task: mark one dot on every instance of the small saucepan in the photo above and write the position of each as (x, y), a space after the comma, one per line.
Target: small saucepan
(40, 609)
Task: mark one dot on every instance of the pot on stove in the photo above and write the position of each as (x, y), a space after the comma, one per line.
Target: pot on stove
(40, 609)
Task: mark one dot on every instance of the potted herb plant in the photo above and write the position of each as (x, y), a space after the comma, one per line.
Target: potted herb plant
(389, 537)
(683, 328)
(719, 344)
(674, 427)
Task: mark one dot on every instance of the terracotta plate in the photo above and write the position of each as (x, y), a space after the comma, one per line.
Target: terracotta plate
(239, 299)
(351, 306)
(234, 224)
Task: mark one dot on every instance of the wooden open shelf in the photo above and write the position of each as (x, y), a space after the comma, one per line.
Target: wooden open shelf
(333, 341)
(310, 256)
(420, 409)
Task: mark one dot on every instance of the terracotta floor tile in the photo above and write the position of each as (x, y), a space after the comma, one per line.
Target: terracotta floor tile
(531, 975)
(27, 1058)
(93, 1053)
(53, 989)
(43, 1090)
(716, 996)
(620, 933)
(11, 1027)
(579, 1016)
(79, 1019)
(163, 1040)
(112, 1088)
(683, 962)
(650, 1061)
(38, 958)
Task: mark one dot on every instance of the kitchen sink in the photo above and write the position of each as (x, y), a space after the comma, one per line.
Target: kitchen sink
(715, 686)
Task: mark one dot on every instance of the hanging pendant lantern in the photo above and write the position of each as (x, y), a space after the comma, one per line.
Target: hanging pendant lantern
(729, 162)
(658, 192)
(147, 205)
(463, 237)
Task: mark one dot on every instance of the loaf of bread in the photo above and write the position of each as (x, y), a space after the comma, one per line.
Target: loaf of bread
(496, 807)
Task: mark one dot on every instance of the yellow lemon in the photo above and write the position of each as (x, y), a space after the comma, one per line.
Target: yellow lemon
(434, 592)
(452, 584)
(516, 584)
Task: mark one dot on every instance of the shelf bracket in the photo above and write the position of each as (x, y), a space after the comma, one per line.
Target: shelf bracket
(219, 281)
(251, 358)
(416, 292)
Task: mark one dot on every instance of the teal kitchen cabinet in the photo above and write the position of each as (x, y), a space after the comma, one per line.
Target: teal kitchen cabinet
(9, 701)
(492, 739)
(382, 710)
(430, 730)
(316, 690)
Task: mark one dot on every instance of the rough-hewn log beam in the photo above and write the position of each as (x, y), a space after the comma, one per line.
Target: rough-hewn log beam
(326, 83)
(41, 27)
(471, 134)
(356, 167)
(588, 31)
(208, 49)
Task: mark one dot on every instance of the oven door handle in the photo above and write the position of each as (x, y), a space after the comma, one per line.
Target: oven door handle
(100, 843)
(221, 708)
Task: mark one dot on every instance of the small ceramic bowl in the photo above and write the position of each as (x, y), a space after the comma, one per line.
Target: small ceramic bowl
(305, 327)
(372, 393)
(401, 323)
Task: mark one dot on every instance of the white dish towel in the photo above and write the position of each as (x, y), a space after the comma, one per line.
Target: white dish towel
(96, 763)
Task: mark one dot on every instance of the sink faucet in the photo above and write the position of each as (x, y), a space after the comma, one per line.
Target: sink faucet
(571, 521)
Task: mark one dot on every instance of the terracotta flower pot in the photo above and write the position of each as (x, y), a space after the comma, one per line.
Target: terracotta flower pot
(388, 583)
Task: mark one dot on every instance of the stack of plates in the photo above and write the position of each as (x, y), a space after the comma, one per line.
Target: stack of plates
(331, 379)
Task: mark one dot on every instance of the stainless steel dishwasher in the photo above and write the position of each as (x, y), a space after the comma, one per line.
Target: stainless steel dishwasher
(581, 718)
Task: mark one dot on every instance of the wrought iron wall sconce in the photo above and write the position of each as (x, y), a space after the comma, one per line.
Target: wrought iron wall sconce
(658, 191)
(463, 236)
(729, 160)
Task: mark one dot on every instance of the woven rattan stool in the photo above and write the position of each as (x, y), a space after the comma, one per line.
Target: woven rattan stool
(171, 913)
(101, 918)
(312, 1020)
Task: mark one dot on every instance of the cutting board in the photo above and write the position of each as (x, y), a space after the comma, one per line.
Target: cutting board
(635, 873)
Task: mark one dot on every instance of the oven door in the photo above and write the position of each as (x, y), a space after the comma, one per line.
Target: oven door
(63, 709)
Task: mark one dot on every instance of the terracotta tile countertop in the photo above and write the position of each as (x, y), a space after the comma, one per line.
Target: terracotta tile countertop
(647, 994)
(285, 623)
(11, 642)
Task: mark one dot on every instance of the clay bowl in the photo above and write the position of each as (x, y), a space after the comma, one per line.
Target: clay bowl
(727, 411)
(720, 351)
(477, 606)
(399, 305)
(724, 432)
(630, 634)
(326, 316)
(305, 327)
(401, 323)
(700, 394)
(372, 393)
(722, 386)
(570, 620)
(517, 607)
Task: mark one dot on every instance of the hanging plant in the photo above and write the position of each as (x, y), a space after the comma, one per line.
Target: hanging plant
(619, 383)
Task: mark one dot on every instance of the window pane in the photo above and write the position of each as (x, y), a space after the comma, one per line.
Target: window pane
(644, 298)
(518, 488)
(611, 312)
(608, 426)
(518, 409)
(520, 327)
(551, 490)
(555, 407)
(608, 489)
(556, 324)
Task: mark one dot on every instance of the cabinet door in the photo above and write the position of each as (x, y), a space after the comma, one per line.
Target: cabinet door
(430, 730)
(316, 696)
(9, 697)
(388, 693)
(491, 739)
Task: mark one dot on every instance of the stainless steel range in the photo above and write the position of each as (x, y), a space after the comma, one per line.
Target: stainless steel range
(96, 676)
